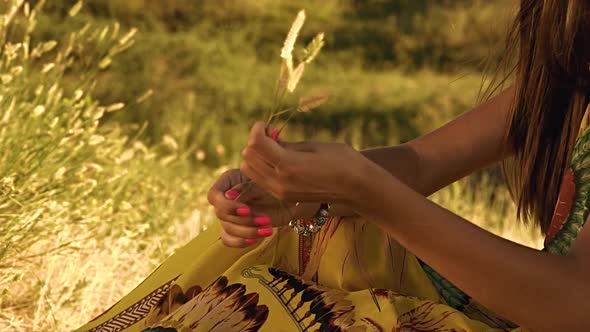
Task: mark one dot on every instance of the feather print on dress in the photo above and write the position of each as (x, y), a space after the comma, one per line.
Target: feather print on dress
(174, 299)
(219, 307)
(422, 319)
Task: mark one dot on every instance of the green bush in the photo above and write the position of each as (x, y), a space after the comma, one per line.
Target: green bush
(215, 62)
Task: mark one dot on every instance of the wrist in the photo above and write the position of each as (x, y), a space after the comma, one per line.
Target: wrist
(305, 210)
(371, 193)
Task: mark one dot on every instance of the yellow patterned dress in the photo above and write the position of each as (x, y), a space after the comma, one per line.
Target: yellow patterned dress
(349, 277)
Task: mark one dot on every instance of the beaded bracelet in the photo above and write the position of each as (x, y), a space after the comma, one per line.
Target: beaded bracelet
(313, 225)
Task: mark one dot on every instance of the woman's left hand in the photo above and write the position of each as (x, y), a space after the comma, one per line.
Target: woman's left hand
(306, 172)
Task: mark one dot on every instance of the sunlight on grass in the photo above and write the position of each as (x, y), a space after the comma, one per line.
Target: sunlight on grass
(111, 136)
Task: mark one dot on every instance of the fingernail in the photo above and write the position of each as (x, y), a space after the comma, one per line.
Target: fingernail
(243, 211)
(274, 134)
(266, 231)
(262, 220)
(232, 194)
(250, 241)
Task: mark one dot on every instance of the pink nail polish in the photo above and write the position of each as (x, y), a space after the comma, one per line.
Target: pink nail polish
(250, 241)
(266, 231)
(243, 211)
(262, 220)
(232, 194)
(274, 134)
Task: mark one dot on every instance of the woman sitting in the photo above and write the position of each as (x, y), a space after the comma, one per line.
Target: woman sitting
(367, 251)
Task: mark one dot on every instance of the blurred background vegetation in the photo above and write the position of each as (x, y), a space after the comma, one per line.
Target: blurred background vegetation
(115, 134)
(396, 68)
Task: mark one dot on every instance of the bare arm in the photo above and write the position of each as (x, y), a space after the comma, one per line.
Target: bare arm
(536, 289)
(539, 290)
(445, 155)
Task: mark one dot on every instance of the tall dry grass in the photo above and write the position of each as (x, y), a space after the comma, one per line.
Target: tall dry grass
(84, 209)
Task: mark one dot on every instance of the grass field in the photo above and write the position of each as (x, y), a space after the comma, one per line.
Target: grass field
(116, 116)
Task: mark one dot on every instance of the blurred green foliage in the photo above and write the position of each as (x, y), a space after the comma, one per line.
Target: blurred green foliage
(396, 68)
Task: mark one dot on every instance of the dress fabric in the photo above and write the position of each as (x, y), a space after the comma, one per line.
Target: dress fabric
(349, 277)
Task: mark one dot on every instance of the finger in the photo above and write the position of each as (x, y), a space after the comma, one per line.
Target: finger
(299, 146)
(225, 206)
(240, 187)
(273, 133)
(225, 182)
(241, 215)
(265, 146)
(257, 162)
(239, 230)
(246, 219)
(268, 183)
(219, 200)
(246, 232)
(235, 242)
(234, 211)
(216, 188)
(249, 192)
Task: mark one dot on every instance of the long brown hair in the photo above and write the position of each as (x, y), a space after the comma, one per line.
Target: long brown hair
(551, 42)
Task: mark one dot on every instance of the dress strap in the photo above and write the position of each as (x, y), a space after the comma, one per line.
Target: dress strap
(573, 202)
(585, 123)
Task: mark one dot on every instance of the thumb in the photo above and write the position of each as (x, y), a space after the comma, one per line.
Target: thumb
(297, 146)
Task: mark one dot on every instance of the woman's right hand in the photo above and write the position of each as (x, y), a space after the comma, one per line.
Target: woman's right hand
(246, 212)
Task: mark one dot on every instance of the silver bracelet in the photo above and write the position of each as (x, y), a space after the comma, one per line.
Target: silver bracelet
(309, 227)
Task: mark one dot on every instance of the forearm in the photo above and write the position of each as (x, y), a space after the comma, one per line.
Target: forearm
(533, 288)
(403, 162)
(437, 159)
(400, 161)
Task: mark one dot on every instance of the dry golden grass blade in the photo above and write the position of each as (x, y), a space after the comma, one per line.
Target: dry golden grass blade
(313, 48)
(285, 74)
(114, 107)
(145, 96)
(308, 103)
(294, 79)
(287, 50)
(76, 8)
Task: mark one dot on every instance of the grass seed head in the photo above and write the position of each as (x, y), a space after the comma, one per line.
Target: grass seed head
(313, 48)
(307, 104)
(287, 50)
(294, 79)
